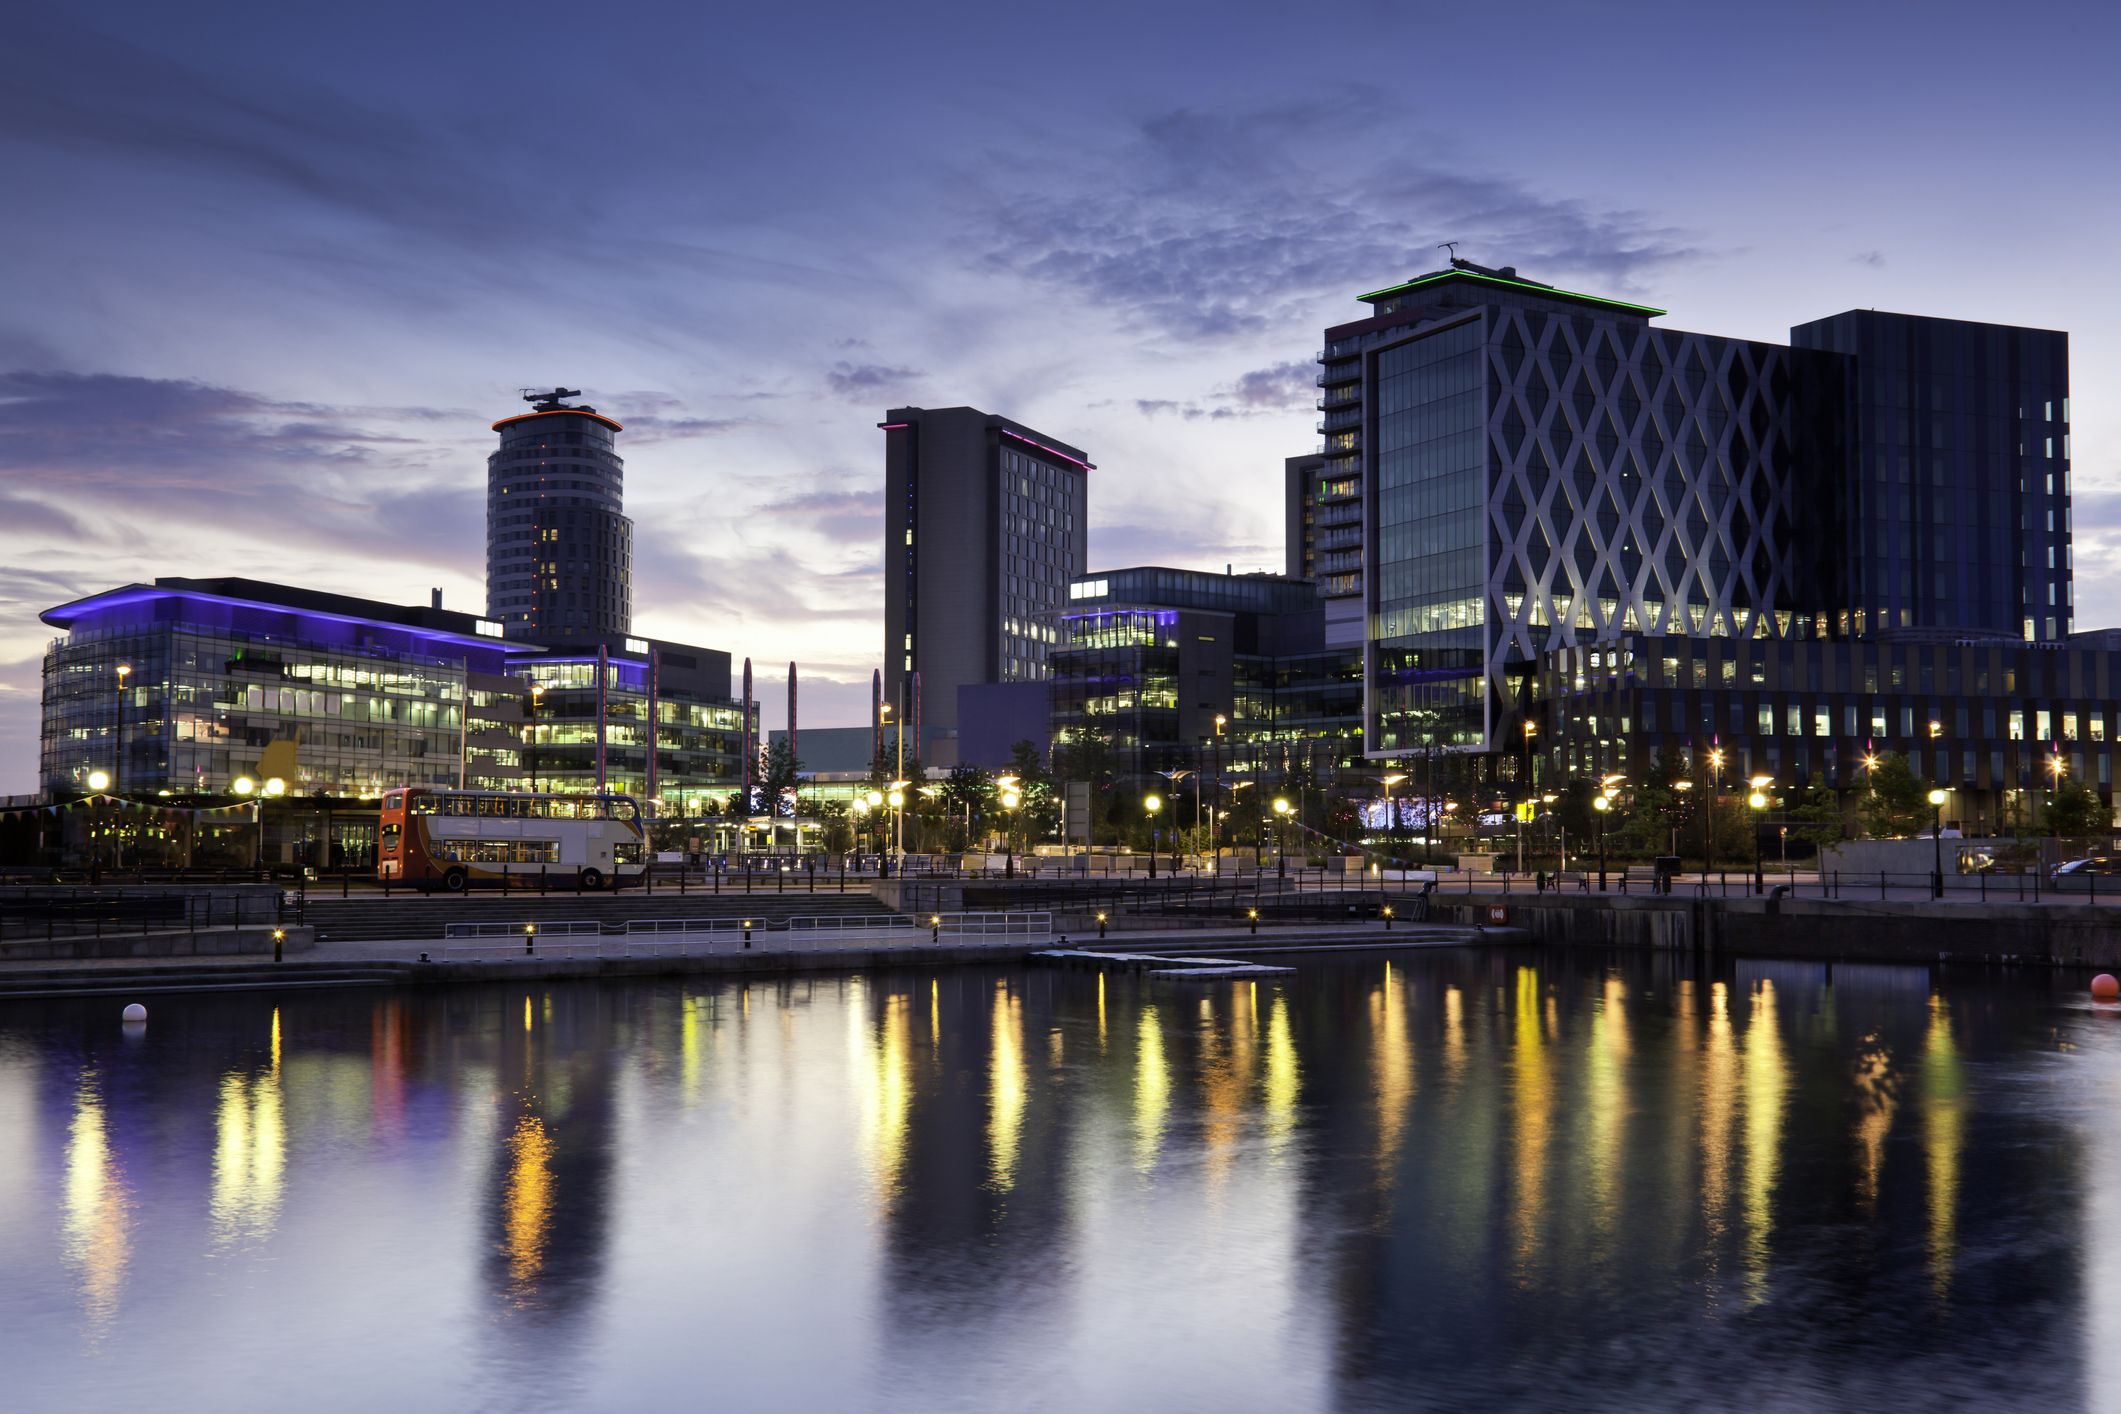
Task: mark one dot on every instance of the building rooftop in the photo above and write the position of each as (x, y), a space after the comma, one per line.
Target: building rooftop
(430, 621)
(1466, 273)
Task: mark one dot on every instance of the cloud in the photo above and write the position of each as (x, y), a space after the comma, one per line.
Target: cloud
(1213, 225)
(1281, 389)
(866, 382)
(1872, 258)
(847, 516)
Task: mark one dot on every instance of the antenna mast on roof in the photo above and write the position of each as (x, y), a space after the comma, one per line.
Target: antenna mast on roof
(554, 401)
(1451, 246)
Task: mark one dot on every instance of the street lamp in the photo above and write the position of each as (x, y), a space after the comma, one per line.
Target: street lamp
(1601, 803)
(1391, 820)
(1011, 798)
(1937, 843)
(1152, 804)
(1758, 802)
(537, 708)
(1708, 817)
(117, 767)
(1281, 837)
(257, 791)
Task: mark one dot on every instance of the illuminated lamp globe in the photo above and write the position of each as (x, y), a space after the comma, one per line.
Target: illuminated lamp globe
(1757, 801)
(1601, 802)
(2106, 987)
(1281, 806)
(243, 785)
(99, 780)
(1011, 800)
(1936, 797)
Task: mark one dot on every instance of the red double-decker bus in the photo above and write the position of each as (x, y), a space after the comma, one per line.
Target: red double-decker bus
(431, 837)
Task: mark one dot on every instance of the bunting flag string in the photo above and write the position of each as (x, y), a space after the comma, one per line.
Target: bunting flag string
(113, 802)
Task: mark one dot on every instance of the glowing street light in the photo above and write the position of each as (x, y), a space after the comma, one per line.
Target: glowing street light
(1281, 837)
(1937, 798)
(1152, 804)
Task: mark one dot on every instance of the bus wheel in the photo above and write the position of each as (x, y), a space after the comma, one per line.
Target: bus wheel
(591, 881)
(455, 880)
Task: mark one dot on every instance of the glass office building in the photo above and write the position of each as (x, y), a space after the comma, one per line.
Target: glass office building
(1543, 471)
(559, 548)
(231, 678)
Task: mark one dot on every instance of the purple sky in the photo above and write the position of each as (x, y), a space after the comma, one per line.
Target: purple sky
(270, 271)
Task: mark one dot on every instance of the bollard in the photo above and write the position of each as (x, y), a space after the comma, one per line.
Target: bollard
(935, 927)
(279, 938)
(1100, 925)
(530, 939)
(1253, 913)
(747, 932)
(1388, 918)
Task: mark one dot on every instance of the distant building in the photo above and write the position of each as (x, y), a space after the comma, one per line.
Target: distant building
(559, 548)
(1323, 505)
(341, 698)
(1150, 657)
(985, 522)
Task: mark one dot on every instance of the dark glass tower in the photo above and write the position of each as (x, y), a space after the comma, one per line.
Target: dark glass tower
(559, 548)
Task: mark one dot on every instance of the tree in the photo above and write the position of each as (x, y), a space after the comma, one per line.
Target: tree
(2074, 810)
(1037, 814)
(1897, 804)
(1814, 817)
(778, 780)
(967, 794)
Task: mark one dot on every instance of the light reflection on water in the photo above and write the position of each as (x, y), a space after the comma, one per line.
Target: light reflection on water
(1520, 1179)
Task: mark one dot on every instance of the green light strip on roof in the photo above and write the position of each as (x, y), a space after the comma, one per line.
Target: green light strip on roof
(1510, 285)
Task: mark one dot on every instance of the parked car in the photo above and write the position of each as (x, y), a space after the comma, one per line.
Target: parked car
(2085, 873)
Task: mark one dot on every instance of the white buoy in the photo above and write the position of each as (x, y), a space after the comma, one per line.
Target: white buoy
(135, 1012)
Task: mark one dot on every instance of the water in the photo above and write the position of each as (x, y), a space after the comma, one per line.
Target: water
(1493, 1179)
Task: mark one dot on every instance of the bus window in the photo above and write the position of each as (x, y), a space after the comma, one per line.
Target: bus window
(624, 810)
(424, 805)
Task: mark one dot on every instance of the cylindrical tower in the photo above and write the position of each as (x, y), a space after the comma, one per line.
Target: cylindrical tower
(559, 548)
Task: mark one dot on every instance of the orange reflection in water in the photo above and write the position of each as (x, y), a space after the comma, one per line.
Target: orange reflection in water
(1877, 1089)
(529, 1202)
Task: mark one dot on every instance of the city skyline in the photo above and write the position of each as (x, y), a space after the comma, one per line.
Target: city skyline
(290, 370)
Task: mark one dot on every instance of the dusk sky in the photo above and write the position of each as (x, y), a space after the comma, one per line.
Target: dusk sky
(271, 270)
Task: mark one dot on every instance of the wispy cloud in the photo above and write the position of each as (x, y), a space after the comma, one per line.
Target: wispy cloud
(1213, 224)
(871, 382)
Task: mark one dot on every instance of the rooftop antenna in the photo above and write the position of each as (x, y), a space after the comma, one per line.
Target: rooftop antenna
(1451, 246)
(549, 402)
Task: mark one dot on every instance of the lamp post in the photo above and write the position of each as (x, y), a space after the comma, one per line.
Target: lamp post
(1757, 802)
(1011, 797)
(117, 765)
(1525, 795)
(898, 786)
(1708, 817)
(1153, 804)
(1281, 837)
(256, 791)
(1391, 820)
(1215, 843)
(1601, 803)
(1937, 843)
(861, 823)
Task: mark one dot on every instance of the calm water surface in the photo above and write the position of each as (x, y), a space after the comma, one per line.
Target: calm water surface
(1498, 1179)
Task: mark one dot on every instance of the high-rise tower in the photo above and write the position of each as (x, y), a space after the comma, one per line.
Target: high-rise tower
(559, 549)
(985, 522)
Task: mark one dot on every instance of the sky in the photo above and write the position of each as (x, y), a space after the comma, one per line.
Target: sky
(268, 272)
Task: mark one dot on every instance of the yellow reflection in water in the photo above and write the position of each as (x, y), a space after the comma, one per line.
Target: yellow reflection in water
(883, 1071)
(98, 1209)
(1877, 1097)
(1152, 1089)
(1943, 1137)
(692, 1047)
(1607, 1082)
(527, 1013)
(935, 1015)
(250, 1152)
(1454, 1034)
(1100, 1013)
(1532, 1088)
(1719, 1105)
(1284, 1075)
(529, 1201)
(1767, 1084)
(1007, 1084)
(1393, 1055)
